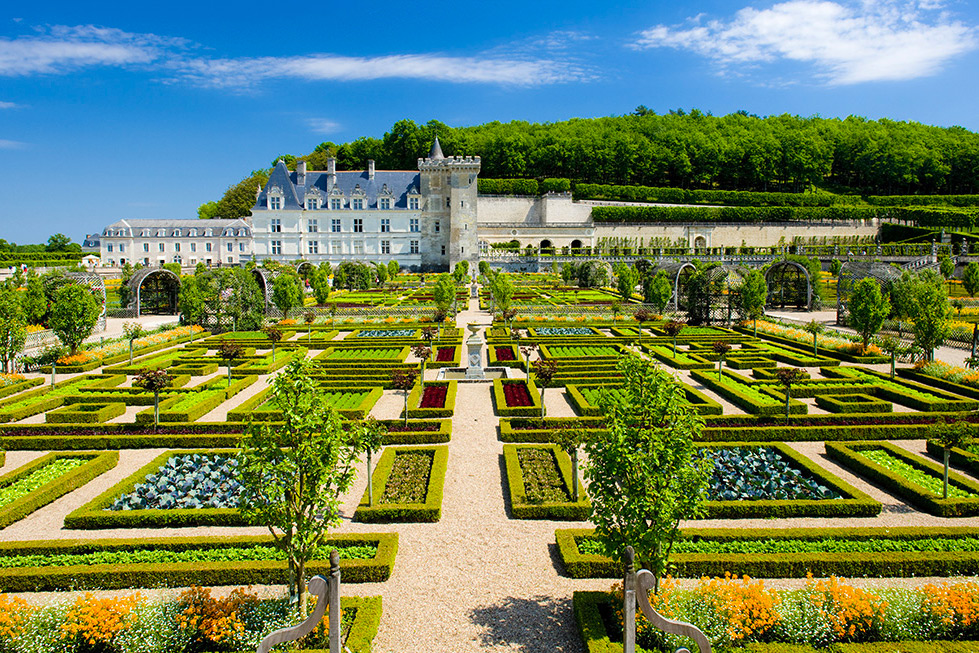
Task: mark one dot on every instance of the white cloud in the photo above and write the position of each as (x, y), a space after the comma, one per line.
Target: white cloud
(11, 145)
(847, 43)
(245, 72)
(322, 125)
(9, 105)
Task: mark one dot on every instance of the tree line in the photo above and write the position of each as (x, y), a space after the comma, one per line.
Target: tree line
(694, 150)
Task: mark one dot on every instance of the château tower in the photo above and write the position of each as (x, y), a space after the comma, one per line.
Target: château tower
(448, 189)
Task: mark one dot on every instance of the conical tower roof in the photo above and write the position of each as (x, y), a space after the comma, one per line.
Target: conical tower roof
(436, 151)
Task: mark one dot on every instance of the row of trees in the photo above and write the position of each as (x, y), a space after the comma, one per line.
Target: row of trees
(683, 150)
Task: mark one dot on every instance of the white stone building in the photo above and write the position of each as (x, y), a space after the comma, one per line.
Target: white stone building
(424, 220)
(186, 242)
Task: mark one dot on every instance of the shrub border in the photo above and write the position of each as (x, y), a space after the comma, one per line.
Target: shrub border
(429, 511)
(520, 508)
(499, 399)
(414, 399)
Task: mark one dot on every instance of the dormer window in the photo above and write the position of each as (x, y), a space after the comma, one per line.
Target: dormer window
(414, 203)
(193, 233)
(161, 233)
(336, 203)
(176, 233)
(242, 232)
(145, 233)
(312, 204)
(384, 203)
(357, 204)
(209, 233)
(275, 203)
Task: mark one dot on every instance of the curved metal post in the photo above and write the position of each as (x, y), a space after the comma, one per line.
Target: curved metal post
(327, 591)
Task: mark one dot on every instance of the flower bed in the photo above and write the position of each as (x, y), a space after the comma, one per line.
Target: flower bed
(565, 331)
(50, 477)
(445, 354)
(516, 398)
(157, 572)
(433, 397)
(911, 477)
(85, 413)
(881, 552)
(440, 397)
(177, 488)
(504, 353)
(385, 333)
(407, 485)
(539, 483)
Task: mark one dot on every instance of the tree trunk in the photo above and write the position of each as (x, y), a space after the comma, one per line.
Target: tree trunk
(370, 481)
(542, 402)
(945, 476)
(574, 473)
(273, 351)
(130, 353)
(406, 407)
(301, 589)
(156, 409)
(787, 394)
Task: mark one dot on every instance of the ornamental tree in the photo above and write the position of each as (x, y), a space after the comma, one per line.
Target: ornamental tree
(787, 377)
(868, 308)
(133, 331)
(544, 371)
(657, 291)
(642, 315)
(287, 293)
(422, 353)
(13, 331)
(950, 435)
(295, 473)
(228, 351)
(404, 380)
(570, 437)
(931, 313)
(643, 472)
(815, 328)
(74, 314)
(721, 348)
(673, 329)
(154, 381)
(752, 297)
(274, 334)
(892, 347)
(309, 318)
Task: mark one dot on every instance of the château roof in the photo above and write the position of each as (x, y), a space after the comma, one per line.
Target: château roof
(399, 183)
(436, 151)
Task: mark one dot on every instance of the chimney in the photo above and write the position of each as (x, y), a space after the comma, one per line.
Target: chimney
(370, 168)
(331, 170)
(300, 173)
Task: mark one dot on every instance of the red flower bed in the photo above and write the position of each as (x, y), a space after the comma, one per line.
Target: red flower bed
(517, 395)
(445, 354)
(505, 354)
(434, 396)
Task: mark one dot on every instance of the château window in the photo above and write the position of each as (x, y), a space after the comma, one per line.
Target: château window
(241, 247)
(335, 225)
(312, 204)
(276, 225)
(276, 247)
(176, 247)
(358, 225)
(207, 247)
(146, 247)
(230, 247)
(358, 247)
(413, 225)
(275, 203)
(385, 225)
(438, 226)
(108, 248)
(385, 203)
(335, 247)
(358, 204)
(413, 247)
(314, 246)
(448, 202)
(336, 203)
(413, 203)
(313, 225)
(193, 247)
(385, 247)
(443, 250)
(163, 247)
(122, 247)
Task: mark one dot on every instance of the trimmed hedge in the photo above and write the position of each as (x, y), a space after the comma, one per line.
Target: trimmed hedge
(18, 387)
(820, 427)
(40, 400)
(854, 504)
(249, 409)
(521, 508)
(730, 214)
(96, 513)
(948, 386)
(829, 353)
(140, 351)
(429, 511)
(85, 413)
(500, 404)
(507, 186)
(184, 574)
(98, 463)
(789, 565)
(730, 391)
(848, 455)
(687, 196)
(414, 399)
(958, 457)
(542, 435)
(219, 392)
(367, 619)
(589, 606)
(853, 403)
(516, 362)
(902, 391)
(439, 436)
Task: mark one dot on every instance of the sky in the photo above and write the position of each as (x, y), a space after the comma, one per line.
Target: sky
(147, 110)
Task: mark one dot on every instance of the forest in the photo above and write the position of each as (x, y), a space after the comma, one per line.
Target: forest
(682, 150)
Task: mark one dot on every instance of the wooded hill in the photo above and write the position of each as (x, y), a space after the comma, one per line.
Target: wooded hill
(681, 150)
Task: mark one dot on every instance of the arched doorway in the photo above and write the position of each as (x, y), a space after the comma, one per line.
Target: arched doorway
(700, 242)
(575, 244)
(154, 291)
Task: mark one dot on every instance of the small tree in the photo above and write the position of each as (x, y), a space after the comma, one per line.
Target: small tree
(931, 315)
(721, 348)
(133, 331)
(616, 309)
(508, 315)
(309, 318)
(752, 297)
(371, 441)
(422, 353)
(892, 347)
(393, 268)
(835, 266)
(970, 278)
(274, 334)
(74, 313)
(287, 293)
(154, 381)
(657, 291)
(626, 282)
(404, 380)
(321, 288)
(815, 328)
(947, 268)
(294, 474)
(868, 309)
(643, 472)
(787, 377)
(570, 437)
(673, 329)
(544, 371)
(642, 315)
(229, 351)
(950, 435)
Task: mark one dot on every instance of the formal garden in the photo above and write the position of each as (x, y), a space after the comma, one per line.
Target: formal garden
(791, 487)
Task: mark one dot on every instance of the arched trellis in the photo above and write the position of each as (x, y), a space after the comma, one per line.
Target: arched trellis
(788, 283)
(303, 269)
(713, 294)
(677, 272)
(265, 279)
(160, 284)
(852, 272)
(97, 288)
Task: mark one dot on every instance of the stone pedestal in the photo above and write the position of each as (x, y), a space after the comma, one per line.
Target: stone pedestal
(474, 292)
(474, 353)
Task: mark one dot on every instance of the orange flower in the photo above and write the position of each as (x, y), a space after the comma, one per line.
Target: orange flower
(854, 614)
(97, 621)
(213, 620)
(14, 613)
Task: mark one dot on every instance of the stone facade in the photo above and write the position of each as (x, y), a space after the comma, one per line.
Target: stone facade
(185, 242)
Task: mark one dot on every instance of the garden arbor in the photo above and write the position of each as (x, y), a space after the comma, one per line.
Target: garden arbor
(712, 294)
(789, 284)
(852, 272)
(678, 273)
(154, 291)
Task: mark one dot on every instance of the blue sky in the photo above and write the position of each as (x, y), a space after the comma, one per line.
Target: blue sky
(142, 110)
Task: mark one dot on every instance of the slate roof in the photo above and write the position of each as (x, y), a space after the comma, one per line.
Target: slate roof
(399, 183)
(170, 225)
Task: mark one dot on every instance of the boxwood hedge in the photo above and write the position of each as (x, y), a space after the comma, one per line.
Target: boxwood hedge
(429, 511)
(522, 508)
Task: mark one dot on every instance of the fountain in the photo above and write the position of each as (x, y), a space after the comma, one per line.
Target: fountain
(474, 372)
